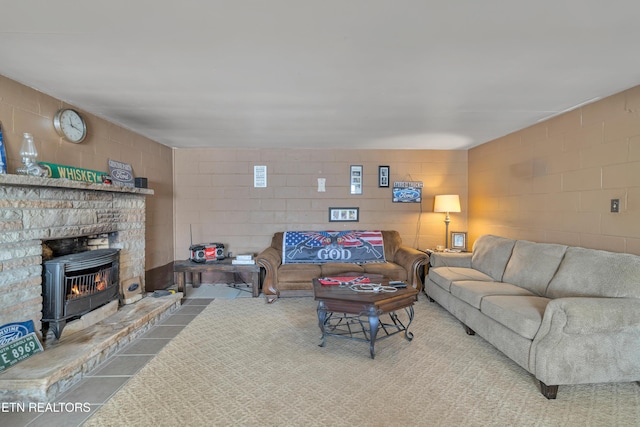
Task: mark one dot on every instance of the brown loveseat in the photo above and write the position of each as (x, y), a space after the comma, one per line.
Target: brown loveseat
(280, 280)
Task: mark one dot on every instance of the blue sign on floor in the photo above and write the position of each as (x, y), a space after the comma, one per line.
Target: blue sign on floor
(13, 331)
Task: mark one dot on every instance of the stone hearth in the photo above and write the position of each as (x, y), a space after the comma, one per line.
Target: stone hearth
(45, 375)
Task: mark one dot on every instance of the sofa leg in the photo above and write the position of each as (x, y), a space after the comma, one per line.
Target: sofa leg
(468, 330)
(271, 299)
(429, 298)
(548, 391)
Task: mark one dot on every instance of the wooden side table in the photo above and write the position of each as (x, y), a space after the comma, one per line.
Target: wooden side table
(180, 268)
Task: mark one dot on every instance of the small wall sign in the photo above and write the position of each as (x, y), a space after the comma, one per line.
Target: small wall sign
(259, 176)
(407, 192)
(121, 173)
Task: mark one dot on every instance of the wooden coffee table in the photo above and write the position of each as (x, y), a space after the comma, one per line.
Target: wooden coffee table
(341, 311)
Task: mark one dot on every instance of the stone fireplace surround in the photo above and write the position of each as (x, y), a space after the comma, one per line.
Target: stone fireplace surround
(36, 209)
(33, 210)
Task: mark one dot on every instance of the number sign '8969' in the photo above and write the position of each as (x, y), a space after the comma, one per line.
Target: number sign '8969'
(19, 350)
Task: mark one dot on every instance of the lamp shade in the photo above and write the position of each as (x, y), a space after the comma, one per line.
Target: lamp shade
(446, 203)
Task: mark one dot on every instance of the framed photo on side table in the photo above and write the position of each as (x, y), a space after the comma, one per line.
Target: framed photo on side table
(459, 241)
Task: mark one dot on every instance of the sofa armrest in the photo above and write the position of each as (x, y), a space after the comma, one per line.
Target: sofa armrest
(270, 259)
(411, 260)
(451, 259)
(597, 315)
(588, 340)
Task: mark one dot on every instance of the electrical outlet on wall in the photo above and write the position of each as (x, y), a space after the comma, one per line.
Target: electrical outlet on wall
(615, 205)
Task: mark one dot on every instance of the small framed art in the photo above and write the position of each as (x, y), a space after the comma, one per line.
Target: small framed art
(344, 214)
(383, 176)
(356, 179)
(459, 241)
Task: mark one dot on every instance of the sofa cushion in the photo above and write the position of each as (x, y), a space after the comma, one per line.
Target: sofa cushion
(450, 259)
(521, 314)
(472, 291)
(591, 272)
(335, 268)
(491, 254)
(443, 276)
(389, 270)
(298, 272)
(532, 265)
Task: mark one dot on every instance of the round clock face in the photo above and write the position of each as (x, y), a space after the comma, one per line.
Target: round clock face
(70, 125)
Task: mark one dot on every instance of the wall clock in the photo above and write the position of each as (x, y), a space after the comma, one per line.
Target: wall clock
(70, 125)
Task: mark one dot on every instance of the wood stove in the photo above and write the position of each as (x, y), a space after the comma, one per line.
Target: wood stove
(75, 284)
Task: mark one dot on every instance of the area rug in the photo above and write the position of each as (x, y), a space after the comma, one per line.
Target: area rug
(219, 290)
(242, 362)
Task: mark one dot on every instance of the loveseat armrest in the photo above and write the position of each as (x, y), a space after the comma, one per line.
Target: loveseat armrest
(450, 259)
(270, 259)
(411, 260)
(588, 340)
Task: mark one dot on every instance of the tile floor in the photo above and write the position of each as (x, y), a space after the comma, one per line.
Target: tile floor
(103, 382)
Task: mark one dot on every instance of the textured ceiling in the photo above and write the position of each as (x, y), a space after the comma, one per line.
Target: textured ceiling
(322, 74)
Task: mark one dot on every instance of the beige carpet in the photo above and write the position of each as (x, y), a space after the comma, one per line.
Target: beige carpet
(242, 362)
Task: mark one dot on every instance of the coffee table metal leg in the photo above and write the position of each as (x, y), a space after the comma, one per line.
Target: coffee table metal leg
(409, 335)
(374, 321)
(322, 317)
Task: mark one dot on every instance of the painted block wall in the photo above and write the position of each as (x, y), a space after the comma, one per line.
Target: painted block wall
(215, 196)
(553, 182)
(24, 109)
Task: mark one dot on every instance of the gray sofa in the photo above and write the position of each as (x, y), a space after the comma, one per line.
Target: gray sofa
(568, 315)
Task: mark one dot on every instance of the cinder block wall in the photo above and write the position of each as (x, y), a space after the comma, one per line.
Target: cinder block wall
(23, 109)
(553, 182)
(214, 194)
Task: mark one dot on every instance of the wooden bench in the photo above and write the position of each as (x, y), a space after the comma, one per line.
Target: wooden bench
(181, 268)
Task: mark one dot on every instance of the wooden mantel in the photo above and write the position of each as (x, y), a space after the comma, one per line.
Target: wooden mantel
(36, 181)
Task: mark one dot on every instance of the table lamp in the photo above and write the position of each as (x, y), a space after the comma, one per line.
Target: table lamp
(446, 203)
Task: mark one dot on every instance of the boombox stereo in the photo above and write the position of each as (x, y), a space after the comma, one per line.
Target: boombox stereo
(206, 252)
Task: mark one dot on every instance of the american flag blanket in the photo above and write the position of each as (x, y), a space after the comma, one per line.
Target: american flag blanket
(319, 247)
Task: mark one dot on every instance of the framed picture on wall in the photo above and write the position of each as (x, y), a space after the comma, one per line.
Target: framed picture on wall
(383, 176)
(459, 241)
(356, 179)
(344, 214)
